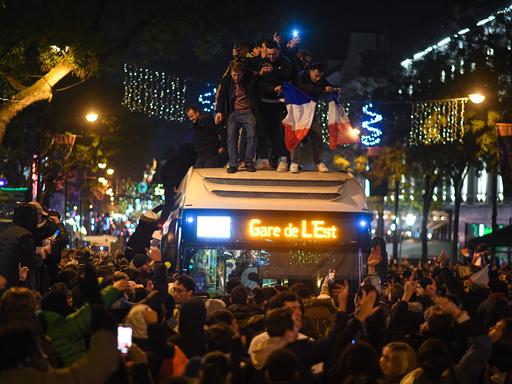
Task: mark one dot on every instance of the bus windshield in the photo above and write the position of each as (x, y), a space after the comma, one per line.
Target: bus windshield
(212, 267)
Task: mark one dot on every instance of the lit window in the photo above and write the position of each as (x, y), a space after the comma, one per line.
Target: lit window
(464, 190)
(482, 186)
(500, 188)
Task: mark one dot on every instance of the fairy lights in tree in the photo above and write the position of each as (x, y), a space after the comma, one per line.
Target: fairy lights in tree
(371, 134)
(437, 122)
(207, 100)
(154, 93)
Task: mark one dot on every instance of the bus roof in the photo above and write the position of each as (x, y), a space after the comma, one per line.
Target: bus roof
(214, 188)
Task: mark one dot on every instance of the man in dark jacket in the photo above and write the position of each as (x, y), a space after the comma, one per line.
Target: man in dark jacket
(275, 70)
(495, 307)
(140, 240)
(312, 82)
(237, 103)
(17, 244)
(207, 138)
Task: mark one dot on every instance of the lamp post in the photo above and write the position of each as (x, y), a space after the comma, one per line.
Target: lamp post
(90, 118)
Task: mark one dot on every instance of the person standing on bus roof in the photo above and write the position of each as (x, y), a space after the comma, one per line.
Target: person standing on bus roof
(237, 104)
(311, 81)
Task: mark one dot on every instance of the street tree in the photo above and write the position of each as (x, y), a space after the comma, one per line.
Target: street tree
(43, 43)
(459, 156)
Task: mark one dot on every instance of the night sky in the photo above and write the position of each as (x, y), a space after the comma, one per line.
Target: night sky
(325, 27)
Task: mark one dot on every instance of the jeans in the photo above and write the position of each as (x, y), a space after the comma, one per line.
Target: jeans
(247, 121)
(315, 135)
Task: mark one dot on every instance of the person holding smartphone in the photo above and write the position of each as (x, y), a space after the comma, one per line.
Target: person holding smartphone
(274, 71)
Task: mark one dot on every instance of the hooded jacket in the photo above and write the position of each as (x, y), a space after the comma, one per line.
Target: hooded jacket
(17, 244)
(206, 136)
(67, 330)
(98, 364)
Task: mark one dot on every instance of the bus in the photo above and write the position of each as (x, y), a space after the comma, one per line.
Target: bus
(266, 228)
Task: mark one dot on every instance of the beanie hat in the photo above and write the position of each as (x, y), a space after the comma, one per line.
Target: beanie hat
(140, 259)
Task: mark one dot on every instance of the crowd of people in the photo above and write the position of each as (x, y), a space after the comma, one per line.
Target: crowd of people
(250, 102)
(60, 310)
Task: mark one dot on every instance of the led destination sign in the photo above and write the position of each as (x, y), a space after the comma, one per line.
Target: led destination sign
(293, 230)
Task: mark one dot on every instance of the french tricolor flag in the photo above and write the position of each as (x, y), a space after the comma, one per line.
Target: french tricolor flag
(301, 111)
(340, 129)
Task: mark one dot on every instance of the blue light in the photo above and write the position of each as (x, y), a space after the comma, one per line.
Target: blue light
(295, 33)
(190, 219)
(207, 99)
(375, 134)
(3, 182)
(363, 223)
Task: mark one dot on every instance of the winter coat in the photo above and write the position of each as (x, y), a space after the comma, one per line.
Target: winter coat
(468, 370)
(281, 71)
(305, 84)
(493, 309)
(17, 245)
(226, 101)
(94, 367)
(67, 332)
(141, 238)
(206, 136)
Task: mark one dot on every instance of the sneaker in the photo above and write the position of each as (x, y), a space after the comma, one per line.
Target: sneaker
(241, 165)
(263, 164)
(249, 167)
(294, 168)
(232, 169)
(322, 168)
(282, 166)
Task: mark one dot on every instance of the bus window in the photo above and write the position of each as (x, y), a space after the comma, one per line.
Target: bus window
(211, 268)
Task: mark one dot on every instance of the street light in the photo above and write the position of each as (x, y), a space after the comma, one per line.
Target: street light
(110, 171)
(102, 165)
(91, 117)
(476, 98)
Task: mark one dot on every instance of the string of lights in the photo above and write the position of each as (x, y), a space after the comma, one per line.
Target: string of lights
(437, 122)
(154, 93)
(374, 134)
(459, 37)
(207, 99)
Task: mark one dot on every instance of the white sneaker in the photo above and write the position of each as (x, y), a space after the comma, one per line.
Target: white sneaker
(282, 166)
(322, 168)
(294, 168)
(262, 164)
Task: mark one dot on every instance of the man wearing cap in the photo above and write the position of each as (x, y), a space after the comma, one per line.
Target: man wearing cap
(17, 248)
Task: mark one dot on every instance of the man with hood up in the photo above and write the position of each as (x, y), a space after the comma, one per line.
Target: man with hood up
(17, 245)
